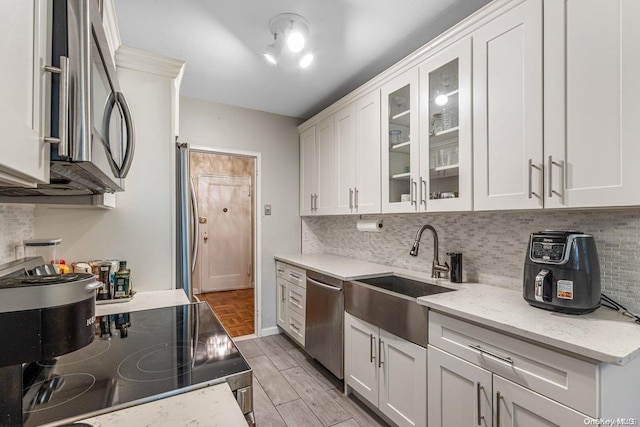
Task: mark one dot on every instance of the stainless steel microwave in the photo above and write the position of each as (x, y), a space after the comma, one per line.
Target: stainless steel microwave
(91, 125)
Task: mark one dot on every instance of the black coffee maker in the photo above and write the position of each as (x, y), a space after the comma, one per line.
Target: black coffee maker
(562, 272)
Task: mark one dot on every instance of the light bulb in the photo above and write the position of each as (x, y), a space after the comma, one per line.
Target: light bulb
(295, 41)
(441, 100)
(306, 60)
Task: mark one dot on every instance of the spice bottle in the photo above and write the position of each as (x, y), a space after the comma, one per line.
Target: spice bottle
(122, 281)
(104, 293)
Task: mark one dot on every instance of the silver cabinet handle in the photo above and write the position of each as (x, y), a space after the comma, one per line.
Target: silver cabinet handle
(356, 198)
(311, 195)
(498, 398)
(63, 107)
(350, 198)
(550, 165)
(423, 194)
(371, 341)
(380, 362)
(295, 276)
(479, 401)
(315, 202)
(295, 299)
(492, 354)
(280, 270)
(531, 168)
(284, 298)
(414, 185)
(294, 327)
(411, 191)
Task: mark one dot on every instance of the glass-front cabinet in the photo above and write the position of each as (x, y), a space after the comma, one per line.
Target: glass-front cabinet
(445, 130)
(400, 138)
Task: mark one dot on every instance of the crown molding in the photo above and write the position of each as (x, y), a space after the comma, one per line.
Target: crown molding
(141, 60)
(110, 23)
(463, 29)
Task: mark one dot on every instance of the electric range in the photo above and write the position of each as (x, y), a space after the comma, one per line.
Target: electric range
(135, 358)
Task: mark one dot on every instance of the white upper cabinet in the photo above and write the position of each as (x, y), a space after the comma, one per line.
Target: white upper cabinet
(317, 169)
(308, 160)
(507, 110)
(400, 148)
(357, 148)
(23, 30)
(325, 170)
(445, 179)
(591, 102)
(367, 190)
(345, 149)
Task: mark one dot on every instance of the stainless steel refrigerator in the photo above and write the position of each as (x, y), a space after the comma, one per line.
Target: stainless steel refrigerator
(186, 222)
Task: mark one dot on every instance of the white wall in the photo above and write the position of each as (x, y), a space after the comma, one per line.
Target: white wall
(207, 124)
(139, 230)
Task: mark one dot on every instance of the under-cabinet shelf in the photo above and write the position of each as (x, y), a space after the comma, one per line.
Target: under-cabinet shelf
(402, 176)
(403, 147)
(401, 119)
(444, 171)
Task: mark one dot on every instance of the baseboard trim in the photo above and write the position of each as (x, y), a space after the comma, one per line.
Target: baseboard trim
(273, 330)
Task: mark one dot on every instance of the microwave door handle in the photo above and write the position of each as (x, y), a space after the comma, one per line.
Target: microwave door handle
(131, 140)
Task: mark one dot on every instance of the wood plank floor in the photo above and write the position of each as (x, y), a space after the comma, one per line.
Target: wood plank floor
(293, 390)
(235, 310)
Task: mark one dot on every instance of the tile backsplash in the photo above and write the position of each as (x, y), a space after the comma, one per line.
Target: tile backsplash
(493, 243)
(16, 225)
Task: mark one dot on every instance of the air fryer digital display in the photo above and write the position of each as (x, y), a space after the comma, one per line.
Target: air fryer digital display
(550, 248)
(548, 251)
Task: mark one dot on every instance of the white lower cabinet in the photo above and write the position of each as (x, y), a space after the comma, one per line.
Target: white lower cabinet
(463, 394)
(388, 371)
(291, 300)
(459, 392)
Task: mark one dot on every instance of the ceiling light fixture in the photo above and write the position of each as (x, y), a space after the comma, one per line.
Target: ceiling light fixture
(292, 31)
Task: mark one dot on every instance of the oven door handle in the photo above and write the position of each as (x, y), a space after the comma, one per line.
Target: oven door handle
(322, 285)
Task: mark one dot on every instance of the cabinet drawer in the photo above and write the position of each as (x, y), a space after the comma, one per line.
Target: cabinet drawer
(561, 377)
(296, 275)
(297, 299)
(280, 269)
(296, 327)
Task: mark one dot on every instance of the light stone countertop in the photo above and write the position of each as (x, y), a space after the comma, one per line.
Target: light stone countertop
(144, 301)
(211, 406)
(603, 336)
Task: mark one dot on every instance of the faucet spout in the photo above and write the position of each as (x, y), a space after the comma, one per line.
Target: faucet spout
(436, 268)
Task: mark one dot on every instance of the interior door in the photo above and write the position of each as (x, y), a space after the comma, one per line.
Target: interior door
(225, 232)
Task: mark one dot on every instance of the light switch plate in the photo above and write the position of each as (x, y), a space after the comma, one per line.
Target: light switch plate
(267, 209)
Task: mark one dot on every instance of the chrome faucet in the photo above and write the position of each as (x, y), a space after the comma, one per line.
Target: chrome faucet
(436, 268)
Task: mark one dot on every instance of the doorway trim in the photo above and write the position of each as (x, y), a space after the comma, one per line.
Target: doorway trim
(257, 250)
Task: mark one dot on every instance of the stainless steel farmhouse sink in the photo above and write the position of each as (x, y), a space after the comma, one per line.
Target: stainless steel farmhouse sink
(389, 302)
(407, 287)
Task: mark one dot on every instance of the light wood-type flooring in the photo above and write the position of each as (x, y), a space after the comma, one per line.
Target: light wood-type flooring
(234, 309)
(291, 389)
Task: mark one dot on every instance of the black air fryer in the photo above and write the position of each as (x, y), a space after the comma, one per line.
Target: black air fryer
(562, 272)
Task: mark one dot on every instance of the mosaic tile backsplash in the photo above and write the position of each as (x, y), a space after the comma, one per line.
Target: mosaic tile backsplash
(493, 243)
(16, 225)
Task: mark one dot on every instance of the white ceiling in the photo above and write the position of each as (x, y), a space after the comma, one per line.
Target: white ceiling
(222, 42)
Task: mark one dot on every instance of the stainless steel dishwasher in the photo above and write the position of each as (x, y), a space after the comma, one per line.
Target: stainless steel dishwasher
(324, 329)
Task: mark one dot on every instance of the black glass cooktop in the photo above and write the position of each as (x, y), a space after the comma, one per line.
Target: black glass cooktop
(135, 357)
